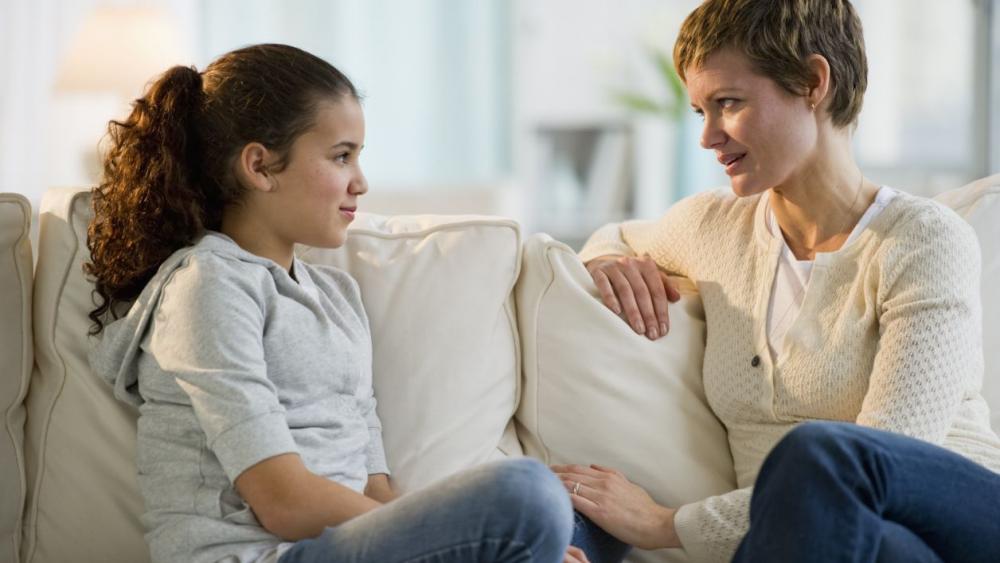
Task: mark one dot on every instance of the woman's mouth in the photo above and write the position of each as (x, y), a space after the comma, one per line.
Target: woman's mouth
(348, 212)
(731, 161)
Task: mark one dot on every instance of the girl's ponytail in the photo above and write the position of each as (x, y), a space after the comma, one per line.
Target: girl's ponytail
(150, 201)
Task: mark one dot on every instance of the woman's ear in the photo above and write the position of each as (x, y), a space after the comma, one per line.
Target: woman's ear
(252, 168)
(820, 69)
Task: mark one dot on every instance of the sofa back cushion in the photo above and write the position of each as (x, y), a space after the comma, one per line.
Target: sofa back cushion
(596, 392)
(80, 442)
(979, 204)
(438, 296)
(438, 293)
(16, 352)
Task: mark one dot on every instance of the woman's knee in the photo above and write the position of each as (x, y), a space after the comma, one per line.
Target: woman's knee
(811, 447)
(813, 440)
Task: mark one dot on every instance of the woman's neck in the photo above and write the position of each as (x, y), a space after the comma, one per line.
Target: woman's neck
(819, 206)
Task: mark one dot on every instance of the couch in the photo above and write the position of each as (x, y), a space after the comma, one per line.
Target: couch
(485, 346)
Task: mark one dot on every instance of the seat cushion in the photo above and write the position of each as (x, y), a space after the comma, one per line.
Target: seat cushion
(596, 392)
(438, 293)
(979, 204)
(16, 351)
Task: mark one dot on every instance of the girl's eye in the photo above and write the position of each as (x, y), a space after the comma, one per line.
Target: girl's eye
(342, 158)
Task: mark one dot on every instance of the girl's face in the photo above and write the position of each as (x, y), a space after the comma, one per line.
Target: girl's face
(761, 134)
(316, 195)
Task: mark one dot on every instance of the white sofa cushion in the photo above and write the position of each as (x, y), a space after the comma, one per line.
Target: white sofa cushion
(83, 503)
(16, 351)
(979, 204)
(596, 392)
(445, 361)
(438, 293)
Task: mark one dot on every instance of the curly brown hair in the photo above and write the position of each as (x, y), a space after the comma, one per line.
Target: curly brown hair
(168, 174)
(778, 36)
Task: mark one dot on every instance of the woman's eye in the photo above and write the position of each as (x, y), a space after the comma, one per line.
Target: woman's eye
(342, 158)
(700, 114)
(726, 103)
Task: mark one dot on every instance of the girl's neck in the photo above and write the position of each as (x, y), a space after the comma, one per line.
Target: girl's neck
(256, 238)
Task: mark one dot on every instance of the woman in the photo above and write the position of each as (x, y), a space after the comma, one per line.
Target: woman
(258, 438)
(827, 297)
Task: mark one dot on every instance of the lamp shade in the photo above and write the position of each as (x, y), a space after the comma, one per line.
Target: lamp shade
(120, 49)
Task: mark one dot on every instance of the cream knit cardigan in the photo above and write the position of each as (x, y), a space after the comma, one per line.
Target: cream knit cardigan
(889, 336)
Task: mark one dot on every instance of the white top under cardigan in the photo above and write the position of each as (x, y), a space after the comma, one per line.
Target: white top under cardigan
(889, 335)
(792, 277)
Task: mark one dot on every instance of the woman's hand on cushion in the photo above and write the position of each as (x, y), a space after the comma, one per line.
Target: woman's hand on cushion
(635, 289)
(620, 507)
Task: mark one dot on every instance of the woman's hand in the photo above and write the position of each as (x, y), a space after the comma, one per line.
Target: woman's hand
(620, 507)
(575, 555)
(636, 290)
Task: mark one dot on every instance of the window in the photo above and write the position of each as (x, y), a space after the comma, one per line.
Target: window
(923, 127)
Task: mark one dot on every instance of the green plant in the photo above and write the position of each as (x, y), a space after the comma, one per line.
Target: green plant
(672, 108)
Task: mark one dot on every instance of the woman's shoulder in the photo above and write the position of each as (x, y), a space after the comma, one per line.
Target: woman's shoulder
(915, 218)
(921, 234)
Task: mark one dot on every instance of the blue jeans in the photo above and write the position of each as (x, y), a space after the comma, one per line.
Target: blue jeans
(512, 510)
(842, 492)
(600, 546)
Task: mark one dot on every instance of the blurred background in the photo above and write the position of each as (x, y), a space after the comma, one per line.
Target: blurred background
(563, 114)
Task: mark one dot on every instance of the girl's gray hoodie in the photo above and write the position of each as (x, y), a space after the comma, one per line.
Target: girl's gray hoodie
(231, 360)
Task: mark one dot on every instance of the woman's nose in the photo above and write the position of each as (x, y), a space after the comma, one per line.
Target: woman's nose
(712, 134)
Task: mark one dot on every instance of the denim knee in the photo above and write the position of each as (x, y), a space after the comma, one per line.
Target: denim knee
(811, 440)
(810, 450)
(526, 486)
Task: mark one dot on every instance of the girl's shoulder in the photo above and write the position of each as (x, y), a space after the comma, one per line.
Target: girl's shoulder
(336, 283)
(216, 268)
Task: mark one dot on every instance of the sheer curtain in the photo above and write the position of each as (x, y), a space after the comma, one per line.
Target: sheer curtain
(33, 35)
(434, 75)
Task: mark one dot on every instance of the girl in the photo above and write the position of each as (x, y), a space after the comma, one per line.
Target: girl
(258, 438)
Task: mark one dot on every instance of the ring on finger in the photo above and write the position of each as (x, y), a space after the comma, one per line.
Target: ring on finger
(576, 488)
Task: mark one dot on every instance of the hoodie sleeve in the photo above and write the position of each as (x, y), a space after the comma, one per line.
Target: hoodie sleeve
(208, 336)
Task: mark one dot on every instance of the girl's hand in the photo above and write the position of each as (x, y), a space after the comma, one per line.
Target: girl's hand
(620, 507)
(380, 488)
(636, 290)
(575, 555)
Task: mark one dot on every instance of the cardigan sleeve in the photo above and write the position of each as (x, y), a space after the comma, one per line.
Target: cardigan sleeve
(606, 241)
(711, 529)
(668, 240)
(930, 341)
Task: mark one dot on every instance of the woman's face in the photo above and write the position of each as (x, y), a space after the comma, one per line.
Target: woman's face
(316, 195)
(761, 134)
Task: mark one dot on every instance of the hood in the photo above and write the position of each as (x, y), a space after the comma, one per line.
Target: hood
(114, 353)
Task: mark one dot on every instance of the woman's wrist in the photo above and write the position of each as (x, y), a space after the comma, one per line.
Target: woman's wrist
(664, 533)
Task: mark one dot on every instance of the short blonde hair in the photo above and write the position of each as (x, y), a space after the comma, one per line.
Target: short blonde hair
(778, 36)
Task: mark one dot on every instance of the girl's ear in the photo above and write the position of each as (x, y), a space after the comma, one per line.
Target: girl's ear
(252, 168)
(820, 70)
